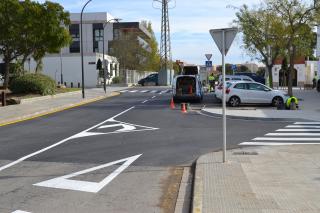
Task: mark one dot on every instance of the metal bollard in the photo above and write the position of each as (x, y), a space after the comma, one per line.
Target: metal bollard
(78, 84)
(3, 98)
(71, 85)
(65, 84)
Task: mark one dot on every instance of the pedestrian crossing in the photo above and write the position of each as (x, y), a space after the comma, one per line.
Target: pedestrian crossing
(299, 133)
(147, 91)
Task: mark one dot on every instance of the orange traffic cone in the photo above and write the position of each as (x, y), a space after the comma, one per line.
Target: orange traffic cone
(172, 106)
(183, 108)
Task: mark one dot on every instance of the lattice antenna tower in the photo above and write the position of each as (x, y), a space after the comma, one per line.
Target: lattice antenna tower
(165, 43)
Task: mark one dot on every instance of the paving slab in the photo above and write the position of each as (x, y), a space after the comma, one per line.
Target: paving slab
(277, 179)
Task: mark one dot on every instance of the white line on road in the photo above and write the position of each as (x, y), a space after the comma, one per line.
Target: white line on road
(19, 211)
(164, 91)
(59, 143)
(298, 130)
(133, 91)
(293, 134)
(123, 91)
(65, 182)
(144, 91)
(285, 139)
(145, 101)
(154, 91)
(154, 97)
(303, 126)
(312, 123)
(274, 144)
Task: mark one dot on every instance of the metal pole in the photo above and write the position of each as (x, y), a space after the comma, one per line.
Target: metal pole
(61, 75)
(224, 120)
(104, 64)
(81, 49)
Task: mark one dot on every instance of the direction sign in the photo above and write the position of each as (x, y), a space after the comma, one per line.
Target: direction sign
(208, 63)
(208, 56)
(217, 35)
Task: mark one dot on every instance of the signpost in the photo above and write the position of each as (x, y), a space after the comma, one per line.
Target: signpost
(223, 39)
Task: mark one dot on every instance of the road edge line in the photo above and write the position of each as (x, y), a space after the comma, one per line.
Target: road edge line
(55, 110)
(197, 188)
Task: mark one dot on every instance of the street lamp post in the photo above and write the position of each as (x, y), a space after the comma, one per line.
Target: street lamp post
(81, 49)
(104, 62)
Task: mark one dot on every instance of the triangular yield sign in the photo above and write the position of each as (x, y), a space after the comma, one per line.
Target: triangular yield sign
(64, 182)
(208, 56)
(230, 34)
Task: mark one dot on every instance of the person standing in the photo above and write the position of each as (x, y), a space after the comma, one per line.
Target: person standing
(211, 82)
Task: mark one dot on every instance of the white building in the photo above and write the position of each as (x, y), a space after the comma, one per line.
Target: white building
(68, 63)
(302, 77)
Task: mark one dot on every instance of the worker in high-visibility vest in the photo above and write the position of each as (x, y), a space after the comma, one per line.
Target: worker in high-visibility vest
(212, 82)
(290, 100)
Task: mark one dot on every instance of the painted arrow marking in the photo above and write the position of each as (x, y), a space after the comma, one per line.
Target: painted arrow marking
(64, 182)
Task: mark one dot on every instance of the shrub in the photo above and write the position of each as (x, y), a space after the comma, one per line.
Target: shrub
(33, 83)
(116, 80)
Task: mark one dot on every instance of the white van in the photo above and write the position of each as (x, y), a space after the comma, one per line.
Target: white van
(187, 87)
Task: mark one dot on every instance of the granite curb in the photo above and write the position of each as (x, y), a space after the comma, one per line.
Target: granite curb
(255, 118)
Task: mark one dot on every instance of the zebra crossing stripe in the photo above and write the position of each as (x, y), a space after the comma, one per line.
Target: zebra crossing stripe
(311, 123)
(285, 139)
(298, 130)
(123, 91)
(132, 91)
(293, 134)
(274, 144)
(154, 91)
(164, 91)
(303, 126)
(144, 91)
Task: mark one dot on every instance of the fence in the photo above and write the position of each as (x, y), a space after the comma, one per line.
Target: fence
(133, 76)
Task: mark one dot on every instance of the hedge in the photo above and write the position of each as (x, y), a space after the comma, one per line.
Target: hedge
(33, 83)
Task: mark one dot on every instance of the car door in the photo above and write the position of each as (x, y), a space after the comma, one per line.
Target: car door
(256, 93)
(240, 89)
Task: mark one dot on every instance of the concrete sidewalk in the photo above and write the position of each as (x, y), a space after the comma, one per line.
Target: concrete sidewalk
(284, 179)
(46, 105)
(309, 105)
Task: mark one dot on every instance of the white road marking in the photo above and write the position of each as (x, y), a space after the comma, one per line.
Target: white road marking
(144, 91)
(64, 182)
(303, 126)
(274, 144)
(145, 101)
(298, 130)
(154, 91)
(154, 97)
(312, 123)
(59, 143)
(123, 91)
(133, 91)
(285, 139)
(293, 134)
(164, 91)
(19, 211)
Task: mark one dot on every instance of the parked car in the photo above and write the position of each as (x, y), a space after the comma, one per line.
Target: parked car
(236, 78)
(242, 92)
(218, 89)
(187, 87)
(254, 76)
(151, 79)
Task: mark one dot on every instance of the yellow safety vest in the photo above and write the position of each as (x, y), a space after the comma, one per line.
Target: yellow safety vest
(290, 100)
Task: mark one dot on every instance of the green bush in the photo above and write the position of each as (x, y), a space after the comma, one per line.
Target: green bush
(33, 83)
(116, 80)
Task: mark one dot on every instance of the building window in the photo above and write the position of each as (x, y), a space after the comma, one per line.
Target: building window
(97, 30)
(74, 32)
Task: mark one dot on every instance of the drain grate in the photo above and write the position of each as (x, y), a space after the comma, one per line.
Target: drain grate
(245, 153)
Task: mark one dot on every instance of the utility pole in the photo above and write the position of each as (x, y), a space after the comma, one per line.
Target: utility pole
(165, 44)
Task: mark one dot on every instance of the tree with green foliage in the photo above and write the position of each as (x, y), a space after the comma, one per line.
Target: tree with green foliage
(258, 26)
(31, 29)
(153, 62)
(295, 31)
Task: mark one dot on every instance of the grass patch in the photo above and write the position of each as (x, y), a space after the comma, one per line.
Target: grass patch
(64, 90)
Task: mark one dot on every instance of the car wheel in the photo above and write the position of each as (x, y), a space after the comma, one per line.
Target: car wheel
(234, 101)
(277, 101)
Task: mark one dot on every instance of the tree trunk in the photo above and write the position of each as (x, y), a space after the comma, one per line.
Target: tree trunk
(39, 66)
(6, 74)
(270, 75)
(291, 70)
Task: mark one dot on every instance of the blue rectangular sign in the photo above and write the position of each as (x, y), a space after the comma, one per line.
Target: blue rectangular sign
(208, 63)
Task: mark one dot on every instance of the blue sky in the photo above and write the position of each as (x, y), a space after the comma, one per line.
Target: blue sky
(190, 22)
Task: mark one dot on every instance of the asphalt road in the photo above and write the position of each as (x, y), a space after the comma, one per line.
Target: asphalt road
(124, 154)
